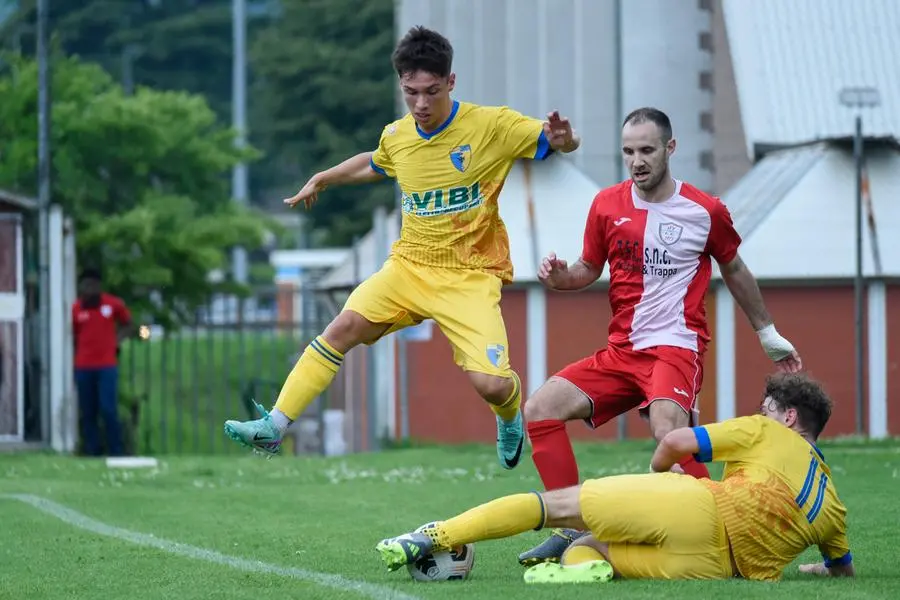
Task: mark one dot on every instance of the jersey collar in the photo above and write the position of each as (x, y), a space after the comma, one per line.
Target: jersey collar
(443, 126)
(643, 204)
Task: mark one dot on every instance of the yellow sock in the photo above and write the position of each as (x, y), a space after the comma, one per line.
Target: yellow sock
(575, 555)
(507, 411)
(310, 376)
(500, 518)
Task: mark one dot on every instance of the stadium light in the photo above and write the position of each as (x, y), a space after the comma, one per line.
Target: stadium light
(858, 98)
(239, 175)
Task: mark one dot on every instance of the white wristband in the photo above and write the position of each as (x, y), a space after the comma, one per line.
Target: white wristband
(775, 346)
(768, 334)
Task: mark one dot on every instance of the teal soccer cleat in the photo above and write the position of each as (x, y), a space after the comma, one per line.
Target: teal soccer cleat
(510, 437)
(261, 434)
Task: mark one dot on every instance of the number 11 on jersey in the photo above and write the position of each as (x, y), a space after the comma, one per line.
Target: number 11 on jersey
(812, 509)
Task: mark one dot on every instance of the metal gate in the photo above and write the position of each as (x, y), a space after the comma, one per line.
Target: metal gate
(12, 318)
(178, 387)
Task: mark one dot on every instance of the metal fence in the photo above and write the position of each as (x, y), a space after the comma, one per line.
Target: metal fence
(178, 387)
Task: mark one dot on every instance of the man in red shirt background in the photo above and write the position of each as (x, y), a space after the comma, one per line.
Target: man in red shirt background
(99, 322)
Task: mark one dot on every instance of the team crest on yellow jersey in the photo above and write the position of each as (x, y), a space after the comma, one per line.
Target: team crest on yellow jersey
(461, 156)
(495, 354)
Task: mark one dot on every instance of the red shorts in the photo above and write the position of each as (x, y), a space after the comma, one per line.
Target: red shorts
(617, 380)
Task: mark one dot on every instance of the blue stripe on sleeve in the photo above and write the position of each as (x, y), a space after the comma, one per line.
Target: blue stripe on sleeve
(377, 169)
(838, 562)
(704, 454)
(543, 148)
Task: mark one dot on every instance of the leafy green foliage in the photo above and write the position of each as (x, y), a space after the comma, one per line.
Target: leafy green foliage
(324, 89)
(322, 86)
(145, 178)
(165, 44)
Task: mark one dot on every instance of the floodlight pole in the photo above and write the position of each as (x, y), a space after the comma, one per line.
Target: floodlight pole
(239, 176)
(858, 278)
(858, 98)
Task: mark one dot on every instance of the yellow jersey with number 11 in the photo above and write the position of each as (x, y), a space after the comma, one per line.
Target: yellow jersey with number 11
(450, 181)
(776, 497)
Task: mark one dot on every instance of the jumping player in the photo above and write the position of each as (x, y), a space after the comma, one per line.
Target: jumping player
(658, 235)
(776, 499)
(450, 159)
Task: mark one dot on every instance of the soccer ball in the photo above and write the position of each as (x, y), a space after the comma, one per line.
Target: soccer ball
(443, 566)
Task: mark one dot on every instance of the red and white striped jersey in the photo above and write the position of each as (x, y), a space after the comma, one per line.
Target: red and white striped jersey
(659, 260)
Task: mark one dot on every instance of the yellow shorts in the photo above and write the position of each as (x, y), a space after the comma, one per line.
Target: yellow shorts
(464, 303)
(658, 526)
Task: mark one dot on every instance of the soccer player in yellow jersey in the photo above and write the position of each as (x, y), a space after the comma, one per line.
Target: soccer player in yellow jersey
(450, 159)
(776, 498)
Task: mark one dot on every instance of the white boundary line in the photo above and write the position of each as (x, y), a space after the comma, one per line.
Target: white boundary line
(81, 521)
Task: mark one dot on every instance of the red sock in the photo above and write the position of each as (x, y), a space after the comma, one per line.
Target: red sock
(552, 454)
(693, 468)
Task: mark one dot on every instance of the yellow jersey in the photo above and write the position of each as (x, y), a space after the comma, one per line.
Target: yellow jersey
(776, 497)
(450, 180)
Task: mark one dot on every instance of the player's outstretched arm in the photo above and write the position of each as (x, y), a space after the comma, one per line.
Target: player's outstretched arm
(354, 170)
(677, 444)
(556, 274)
(743, 287)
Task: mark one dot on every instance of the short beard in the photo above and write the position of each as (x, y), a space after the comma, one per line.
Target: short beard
(653, 183)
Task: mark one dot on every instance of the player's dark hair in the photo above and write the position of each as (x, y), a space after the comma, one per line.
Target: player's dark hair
(90, 273)
(423, 49)
(651, 115)
(803, 394)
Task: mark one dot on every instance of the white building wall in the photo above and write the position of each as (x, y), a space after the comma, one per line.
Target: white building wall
(539, 55)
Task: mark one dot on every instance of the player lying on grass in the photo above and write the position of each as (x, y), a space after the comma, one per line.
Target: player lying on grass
(450, 160)
(775, 500)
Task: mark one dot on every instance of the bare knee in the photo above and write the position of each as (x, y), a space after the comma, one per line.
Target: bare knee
(493, 388)
(562, 508)
(557, 399)
(666, 416)
(349, 329)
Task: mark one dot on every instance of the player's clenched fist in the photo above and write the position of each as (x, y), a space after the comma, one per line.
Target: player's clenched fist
(552, 271)
(308, 194)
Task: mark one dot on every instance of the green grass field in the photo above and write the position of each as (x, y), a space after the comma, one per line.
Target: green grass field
(313, 522)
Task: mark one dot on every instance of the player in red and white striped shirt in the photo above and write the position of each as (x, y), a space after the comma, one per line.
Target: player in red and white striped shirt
(659, 236)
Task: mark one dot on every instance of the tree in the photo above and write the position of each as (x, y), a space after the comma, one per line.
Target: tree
(144, 178)
(171, 44)
(322, 83)
(324, 90)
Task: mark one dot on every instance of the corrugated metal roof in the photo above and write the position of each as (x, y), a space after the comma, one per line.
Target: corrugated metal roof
(797, 213)
(18, 201)
(561, 194)
(792, 58)
(752, 198)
